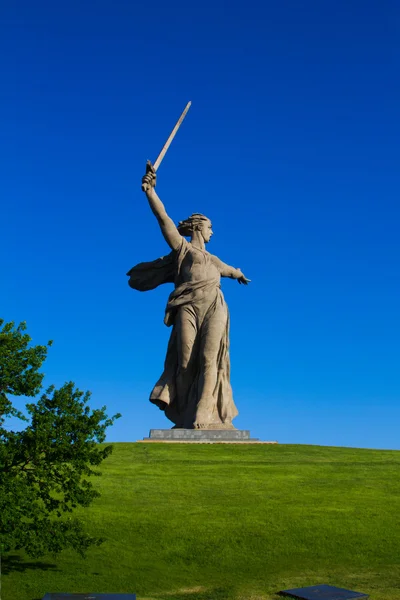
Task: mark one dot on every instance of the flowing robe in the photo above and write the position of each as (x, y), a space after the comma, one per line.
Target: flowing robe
(198, 306)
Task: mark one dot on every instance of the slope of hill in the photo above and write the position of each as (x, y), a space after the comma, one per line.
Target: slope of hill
(199, 522)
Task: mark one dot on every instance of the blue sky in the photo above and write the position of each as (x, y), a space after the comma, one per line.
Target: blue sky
(291, 147)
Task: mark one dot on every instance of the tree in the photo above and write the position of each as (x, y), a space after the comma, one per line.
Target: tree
(44, 468)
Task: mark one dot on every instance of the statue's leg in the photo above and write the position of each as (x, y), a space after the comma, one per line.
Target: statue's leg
(186, 329)
(212, 333)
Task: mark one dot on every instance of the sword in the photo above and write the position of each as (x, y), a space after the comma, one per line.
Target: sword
(168, 142)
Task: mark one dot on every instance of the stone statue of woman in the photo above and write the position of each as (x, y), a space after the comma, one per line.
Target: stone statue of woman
(194, 389)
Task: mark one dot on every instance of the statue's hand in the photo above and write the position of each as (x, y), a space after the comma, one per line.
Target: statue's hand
(243, 279)
(149, 180)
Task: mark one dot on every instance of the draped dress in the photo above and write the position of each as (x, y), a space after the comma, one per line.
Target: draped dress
(198, 314)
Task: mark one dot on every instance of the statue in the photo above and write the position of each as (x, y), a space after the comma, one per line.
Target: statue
(194, 389)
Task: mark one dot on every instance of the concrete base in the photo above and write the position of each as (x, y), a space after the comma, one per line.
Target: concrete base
(227, 436)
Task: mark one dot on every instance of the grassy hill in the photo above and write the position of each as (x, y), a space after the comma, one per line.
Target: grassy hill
(199, 522)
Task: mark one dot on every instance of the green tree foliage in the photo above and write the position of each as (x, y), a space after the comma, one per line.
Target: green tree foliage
(44, 468)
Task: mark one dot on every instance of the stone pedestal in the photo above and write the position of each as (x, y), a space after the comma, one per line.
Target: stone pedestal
(200, 435)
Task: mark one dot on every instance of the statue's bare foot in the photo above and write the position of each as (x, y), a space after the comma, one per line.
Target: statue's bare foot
(197, 425)
(203, 415)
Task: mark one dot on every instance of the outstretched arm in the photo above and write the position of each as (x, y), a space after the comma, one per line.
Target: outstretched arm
(228, 271)
(167, 226)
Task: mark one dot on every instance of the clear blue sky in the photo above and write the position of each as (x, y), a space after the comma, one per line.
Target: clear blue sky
(291, 147)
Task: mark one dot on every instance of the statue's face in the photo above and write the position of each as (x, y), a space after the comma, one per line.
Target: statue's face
(206, 231)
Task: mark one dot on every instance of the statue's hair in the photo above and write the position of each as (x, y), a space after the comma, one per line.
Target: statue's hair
(191, 224)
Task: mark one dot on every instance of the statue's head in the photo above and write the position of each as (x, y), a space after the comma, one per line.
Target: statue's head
(197, 222)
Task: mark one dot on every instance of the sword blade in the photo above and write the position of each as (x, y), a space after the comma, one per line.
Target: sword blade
(171, 137)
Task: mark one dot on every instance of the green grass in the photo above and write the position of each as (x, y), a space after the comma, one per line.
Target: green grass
(199, 522)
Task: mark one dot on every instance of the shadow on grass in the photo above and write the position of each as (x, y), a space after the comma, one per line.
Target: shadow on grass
(15, 564)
